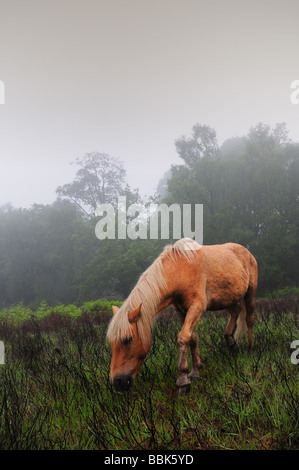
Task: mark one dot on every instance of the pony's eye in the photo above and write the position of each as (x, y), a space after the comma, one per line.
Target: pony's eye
(127, 340)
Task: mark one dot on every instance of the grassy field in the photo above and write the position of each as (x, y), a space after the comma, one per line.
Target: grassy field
(55, 391)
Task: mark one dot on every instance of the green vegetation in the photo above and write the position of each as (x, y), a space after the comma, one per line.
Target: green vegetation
(19, 313)
(286, 292)
(55, 391)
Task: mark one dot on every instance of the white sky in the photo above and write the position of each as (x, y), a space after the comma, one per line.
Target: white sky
(128, 77)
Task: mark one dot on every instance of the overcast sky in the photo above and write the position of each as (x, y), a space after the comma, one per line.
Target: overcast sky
(128, 77)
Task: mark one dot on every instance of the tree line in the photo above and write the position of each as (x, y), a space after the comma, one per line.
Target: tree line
(248, 188)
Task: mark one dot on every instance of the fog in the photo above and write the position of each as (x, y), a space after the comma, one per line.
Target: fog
(128, 78)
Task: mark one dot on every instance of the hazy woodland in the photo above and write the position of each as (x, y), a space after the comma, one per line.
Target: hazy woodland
(248, 188)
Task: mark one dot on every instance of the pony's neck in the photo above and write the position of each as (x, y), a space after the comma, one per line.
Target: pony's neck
(164, 303)
(150, 291)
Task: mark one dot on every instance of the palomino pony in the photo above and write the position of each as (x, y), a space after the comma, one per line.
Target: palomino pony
(193, 278)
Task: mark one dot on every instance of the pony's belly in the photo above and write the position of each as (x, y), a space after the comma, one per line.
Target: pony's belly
(214, 305)
(225, 296)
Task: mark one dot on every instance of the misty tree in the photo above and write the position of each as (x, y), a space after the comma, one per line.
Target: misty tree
(196, 180)
(99, 180)
(162, 186)
(203, 143)
(233, 147)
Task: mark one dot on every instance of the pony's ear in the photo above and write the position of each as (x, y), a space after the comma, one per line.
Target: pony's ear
(115, 309)
(133, 316)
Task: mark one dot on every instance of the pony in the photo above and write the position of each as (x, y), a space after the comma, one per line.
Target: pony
(193, 279)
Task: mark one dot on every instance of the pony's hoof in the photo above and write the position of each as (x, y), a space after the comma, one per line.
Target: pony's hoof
(193, 377)
(184, 389)
(234, 348)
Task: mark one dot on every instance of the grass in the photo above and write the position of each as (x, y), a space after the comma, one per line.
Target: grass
(55, 391)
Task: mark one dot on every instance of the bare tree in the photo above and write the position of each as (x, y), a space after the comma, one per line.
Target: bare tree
(99, 180)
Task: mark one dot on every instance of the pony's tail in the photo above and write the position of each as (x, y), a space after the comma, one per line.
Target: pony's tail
(241, 329)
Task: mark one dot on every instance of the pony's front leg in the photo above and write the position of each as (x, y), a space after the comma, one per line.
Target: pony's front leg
(186, 336)
(196, 362)
(183, 382)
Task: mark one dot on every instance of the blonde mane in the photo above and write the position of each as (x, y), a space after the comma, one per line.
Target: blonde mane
(148, 292)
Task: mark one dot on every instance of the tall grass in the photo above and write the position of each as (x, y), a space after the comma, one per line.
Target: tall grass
(55, 391)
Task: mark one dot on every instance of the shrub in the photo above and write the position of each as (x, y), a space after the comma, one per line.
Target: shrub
(99, 305)
(286, 292)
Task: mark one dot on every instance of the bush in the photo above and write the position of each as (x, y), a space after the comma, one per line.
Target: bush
(286, 292)
(19, 313)
(99, 305)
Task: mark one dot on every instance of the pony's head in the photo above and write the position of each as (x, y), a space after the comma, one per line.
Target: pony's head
(128, 353)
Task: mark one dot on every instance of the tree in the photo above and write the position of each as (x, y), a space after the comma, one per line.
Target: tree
(99, 180)
(162, 186)
(203, 143)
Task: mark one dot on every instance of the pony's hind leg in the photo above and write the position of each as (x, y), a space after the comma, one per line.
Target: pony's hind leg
(250, 304)
(231, 326)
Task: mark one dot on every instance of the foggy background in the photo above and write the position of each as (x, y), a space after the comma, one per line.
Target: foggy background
(128, 77)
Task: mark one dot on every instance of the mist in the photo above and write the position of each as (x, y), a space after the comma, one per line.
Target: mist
(129, 78)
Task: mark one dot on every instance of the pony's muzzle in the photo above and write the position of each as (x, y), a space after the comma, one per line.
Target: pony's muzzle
(122, 383)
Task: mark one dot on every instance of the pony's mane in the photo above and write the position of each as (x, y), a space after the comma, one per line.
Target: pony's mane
(148, 292)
